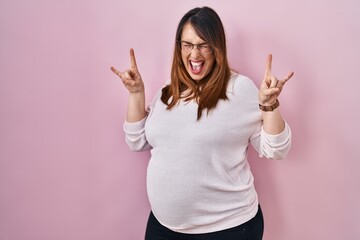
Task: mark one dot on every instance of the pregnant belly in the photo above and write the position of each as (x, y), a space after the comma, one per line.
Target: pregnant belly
(175, 192)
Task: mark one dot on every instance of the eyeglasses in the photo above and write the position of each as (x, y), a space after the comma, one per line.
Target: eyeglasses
(187, 47)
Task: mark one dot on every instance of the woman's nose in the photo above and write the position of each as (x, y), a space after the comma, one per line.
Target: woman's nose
(195, 51)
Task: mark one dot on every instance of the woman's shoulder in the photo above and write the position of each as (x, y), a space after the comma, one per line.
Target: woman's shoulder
(239, 82)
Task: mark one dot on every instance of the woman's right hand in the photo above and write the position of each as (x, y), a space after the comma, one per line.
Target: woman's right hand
(131, 78)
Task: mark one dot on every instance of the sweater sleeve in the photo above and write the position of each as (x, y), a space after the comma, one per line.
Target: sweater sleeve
(135, 135)
(272, 146)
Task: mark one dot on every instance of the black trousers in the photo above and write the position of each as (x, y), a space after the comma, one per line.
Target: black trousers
(250, 230)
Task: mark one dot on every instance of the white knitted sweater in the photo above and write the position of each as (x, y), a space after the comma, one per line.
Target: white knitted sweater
(198, 177)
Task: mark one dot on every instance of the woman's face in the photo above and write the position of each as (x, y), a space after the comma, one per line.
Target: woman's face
(199, 60)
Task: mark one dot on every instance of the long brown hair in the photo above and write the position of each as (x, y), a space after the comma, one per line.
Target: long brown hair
(208, 91)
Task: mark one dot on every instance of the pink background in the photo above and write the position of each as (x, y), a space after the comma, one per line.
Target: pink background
(65, 170)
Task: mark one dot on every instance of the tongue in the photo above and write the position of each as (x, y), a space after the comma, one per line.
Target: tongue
(196, 68)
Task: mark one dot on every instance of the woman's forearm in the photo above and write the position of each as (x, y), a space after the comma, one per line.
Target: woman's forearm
(273, 122)
(136, 107)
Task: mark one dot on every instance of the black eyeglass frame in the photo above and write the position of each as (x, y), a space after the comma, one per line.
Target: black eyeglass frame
(198, 46)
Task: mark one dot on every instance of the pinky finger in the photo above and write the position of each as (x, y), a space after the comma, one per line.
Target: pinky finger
(117, 72)
(114, 69)
(288, 76)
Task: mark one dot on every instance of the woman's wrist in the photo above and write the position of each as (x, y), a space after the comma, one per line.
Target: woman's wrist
(269, 108)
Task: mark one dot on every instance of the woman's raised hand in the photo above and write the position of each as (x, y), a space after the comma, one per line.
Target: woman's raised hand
(271, 87)
(131, 78)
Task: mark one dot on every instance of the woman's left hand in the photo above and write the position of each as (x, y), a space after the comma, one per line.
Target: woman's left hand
(271, 87)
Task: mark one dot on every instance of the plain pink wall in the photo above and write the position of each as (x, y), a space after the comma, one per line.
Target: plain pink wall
(65, 170)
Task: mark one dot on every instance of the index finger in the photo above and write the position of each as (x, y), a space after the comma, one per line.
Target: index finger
(132, 58)
(268, 65)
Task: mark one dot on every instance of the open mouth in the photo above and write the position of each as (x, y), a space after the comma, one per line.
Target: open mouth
(196, 66)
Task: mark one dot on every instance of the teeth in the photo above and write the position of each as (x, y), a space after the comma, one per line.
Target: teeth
(196, 65)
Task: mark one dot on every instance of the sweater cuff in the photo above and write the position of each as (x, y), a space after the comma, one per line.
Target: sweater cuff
(278, 138)
(134, 127)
